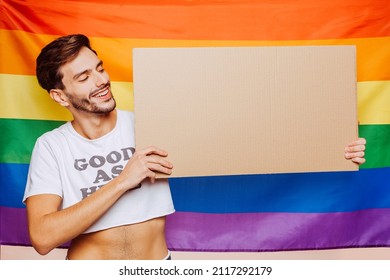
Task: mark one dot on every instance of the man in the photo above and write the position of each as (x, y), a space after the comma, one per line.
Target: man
(65, 197)
(86, 182)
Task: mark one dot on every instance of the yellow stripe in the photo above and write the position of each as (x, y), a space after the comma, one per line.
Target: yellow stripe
(374, 102)
(23, 98)
(19, 50)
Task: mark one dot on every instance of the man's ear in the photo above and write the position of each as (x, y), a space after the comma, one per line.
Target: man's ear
(59, 96)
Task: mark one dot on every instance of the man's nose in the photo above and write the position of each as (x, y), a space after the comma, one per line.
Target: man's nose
(100, 78)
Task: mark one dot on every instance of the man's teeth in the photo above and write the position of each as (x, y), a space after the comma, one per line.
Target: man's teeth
(102, 94)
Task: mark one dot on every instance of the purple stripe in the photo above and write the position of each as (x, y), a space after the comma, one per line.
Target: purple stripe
(13, 226)
(258, 232)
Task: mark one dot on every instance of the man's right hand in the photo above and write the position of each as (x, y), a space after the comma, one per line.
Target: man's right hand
(145, 163)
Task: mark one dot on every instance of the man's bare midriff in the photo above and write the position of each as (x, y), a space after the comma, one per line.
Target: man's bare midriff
(142, 241)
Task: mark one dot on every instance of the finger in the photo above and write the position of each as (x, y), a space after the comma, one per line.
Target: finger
(359, 141)
(357, 148)
(153, 150)
(159, 168)
(362, 141)
(354, 155)
(359, 160)
(159, 160)
(152, 177)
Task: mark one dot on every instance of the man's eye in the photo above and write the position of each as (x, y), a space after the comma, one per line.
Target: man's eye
(83, 79)
(101, 70)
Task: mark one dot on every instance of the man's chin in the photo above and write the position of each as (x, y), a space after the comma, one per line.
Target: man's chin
(108, 109)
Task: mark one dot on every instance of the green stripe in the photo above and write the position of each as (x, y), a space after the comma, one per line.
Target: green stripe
(378, 145)
(18, 137)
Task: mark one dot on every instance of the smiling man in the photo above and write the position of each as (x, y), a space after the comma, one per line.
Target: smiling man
(86, 182)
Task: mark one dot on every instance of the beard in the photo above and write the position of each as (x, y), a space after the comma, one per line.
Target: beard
(89, 106)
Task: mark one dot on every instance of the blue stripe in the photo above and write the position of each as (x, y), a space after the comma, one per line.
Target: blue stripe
(12, 183)
(300, 193)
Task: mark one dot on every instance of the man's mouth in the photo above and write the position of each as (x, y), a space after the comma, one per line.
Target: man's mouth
(101, 93)
(104, 93)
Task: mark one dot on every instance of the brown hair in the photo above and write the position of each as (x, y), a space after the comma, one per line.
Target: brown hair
(56, 54)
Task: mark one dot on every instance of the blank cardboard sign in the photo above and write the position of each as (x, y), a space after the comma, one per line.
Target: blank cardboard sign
(247, 110)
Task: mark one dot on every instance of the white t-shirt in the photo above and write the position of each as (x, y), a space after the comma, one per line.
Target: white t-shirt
(68, 165)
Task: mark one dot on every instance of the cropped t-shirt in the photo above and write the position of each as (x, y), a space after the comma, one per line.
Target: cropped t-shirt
(68, 165)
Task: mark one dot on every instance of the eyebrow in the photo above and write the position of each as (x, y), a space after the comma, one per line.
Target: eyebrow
(75, 77)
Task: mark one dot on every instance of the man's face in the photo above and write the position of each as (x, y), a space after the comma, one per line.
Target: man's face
(87, 85)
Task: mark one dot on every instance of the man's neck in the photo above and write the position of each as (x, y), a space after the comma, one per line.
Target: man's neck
(93, 126)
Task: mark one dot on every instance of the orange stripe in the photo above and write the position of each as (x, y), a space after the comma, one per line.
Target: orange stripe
(202, 20)
(20, 50)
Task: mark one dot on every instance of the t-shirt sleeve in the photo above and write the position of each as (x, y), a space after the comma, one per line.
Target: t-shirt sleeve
(43, 175)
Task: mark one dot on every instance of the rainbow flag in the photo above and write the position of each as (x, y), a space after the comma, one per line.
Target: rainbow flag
(228, 213)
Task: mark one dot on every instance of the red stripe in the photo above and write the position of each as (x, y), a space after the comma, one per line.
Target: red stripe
(193, 20)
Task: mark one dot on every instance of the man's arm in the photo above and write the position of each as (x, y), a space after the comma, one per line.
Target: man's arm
(50, 227)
